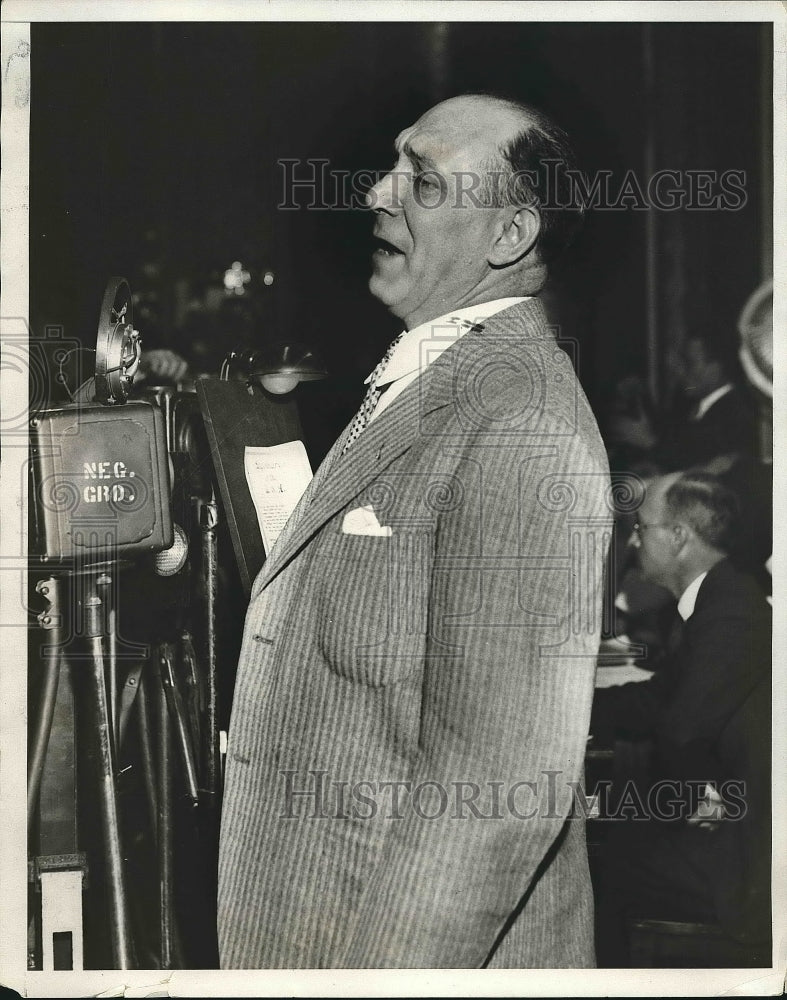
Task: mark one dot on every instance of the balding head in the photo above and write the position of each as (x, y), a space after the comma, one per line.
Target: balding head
(465, 214)
(523, 159)
(478, 124)
(686, 524)
(708, 506)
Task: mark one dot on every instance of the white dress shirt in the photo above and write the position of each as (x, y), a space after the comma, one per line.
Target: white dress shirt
(713, 397)
(689, 597)
(419, 347)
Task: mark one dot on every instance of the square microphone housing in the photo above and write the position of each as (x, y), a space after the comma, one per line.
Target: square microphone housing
(100, 483)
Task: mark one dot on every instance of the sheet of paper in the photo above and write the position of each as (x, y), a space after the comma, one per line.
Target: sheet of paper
(277, 478)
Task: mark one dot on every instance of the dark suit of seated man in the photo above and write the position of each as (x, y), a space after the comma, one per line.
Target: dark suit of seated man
(702, 848)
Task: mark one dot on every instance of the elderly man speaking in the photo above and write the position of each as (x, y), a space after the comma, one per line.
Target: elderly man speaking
(414, 688)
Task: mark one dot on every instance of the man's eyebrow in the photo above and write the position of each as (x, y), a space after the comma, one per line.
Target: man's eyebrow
(419, 160)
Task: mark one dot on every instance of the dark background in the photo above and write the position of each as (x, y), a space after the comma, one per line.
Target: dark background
(154, 149)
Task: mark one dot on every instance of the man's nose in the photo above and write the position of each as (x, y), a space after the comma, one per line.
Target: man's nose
(384, 196)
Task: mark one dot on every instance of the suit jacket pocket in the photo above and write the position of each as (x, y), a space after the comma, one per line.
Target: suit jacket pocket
(373, 603)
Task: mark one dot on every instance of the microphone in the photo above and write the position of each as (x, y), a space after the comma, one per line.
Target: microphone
(170, 561)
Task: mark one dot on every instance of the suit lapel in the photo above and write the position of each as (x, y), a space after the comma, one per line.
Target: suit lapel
(342, 477)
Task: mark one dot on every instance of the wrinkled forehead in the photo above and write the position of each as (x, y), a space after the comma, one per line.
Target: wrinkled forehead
(452, 137)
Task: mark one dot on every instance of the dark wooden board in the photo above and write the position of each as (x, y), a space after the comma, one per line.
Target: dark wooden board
(234, 419)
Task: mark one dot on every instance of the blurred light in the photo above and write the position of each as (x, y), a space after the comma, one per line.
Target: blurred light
(235, 278)
(268, 277)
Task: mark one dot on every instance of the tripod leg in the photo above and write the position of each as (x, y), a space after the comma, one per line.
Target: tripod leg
(50, 620)
(119, 923)
(146, 749)
(194, 690)
(165, 829)
(112, 649)
(103, 589)
(181, 732)
(37, 755)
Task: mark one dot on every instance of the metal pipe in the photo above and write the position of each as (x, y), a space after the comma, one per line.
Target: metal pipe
(146, 752)
(104, 590)
(165, 830)
(51, 622)
(178, 718)
(113, 673)
(118, 906)
(194, 691)
(43, 730)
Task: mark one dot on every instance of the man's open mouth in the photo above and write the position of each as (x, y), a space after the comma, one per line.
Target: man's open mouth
(382, 246)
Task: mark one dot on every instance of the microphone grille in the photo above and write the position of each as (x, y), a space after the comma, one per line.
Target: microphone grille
(170, 561)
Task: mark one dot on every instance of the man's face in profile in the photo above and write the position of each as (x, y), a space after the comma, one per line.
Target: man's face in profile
(434, 235)
(652, 539)
(698, 373)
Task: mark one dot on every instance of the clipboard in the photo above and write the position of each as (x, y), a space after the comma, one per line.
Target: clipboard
(238, 415)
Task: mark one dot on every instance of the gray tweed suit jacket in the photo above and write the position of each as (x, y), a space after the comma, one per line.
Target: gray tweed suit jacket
(411, 706)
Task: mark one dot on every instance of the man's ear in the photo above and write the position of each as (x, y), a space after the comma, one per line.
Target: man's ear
(516, 238)
(679, 537)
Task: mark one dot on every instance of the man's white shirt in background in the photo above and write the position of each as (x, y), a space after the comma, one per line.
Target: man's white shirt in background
(689, 597)
(713, 397)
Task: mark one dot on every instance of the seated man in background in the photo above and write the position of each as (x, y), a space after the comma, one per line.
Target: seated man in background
(711, 425)
(702, 848)
(712, 416)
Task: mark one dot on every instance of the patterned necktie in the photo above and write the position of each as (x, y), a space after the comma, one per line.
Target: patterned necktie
(364, 414)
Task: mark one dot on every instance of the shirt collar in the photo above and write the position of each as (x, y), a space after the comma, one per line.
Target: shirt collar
(689, 597)
(713, 397)
(419, 347)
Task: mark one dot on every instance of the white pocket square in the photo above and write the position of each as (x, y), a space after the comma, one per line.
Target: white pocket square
(363, 521)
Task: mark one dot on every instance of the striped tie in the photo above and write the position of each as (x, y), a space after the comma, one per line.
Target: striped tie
(364, 414)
